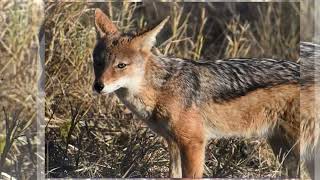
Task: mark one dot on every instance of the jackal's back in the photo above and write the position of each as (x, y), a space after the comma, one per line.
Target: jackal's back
(224, 80)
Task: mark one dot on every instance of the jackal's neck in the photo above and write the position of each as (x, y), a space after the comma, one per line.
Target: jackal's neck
(160, 69)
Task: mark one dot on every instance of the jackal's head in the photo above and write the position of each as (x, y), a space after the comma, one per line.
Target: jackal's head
(119, 59)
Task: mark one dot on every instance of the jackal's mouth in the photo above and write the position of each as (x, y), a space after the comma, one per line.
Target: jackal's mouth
(109, 89)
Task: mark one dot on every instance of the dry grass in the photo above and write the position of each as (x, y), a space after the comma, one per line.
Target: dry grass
(18, 89)
(90, 136)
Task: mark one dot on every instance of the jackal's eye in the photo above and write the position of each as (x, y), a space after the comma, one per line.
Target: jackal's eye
(121, 65)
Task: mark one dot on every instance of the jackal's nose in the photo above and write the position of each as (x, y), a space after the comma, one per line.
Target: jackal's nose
(98, 86)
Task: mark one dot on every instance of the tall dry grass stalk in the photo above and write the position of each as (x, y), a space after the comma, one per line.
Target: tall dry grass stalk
(239, 40)
(181, 42)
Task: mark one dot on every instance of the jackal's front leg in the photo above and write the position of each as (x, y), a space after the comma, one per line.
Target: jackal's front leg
(192, 156)
(188, 130)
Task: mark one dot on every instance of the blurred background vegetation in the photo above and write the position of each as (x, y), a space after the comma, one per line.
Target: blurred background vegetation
(88, 136)
(19, 72)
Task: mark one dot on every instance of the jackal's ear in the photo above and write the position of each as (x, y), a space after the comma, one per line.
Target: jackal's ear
(146, 40)
(104, 25)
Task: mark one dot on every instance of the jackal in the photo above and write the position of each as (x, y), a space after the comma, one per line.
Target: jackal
(189, 102)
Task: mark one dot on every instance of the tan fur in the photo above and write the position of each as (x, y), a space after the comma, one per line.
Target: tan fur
(310, 119)
(253, 114)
